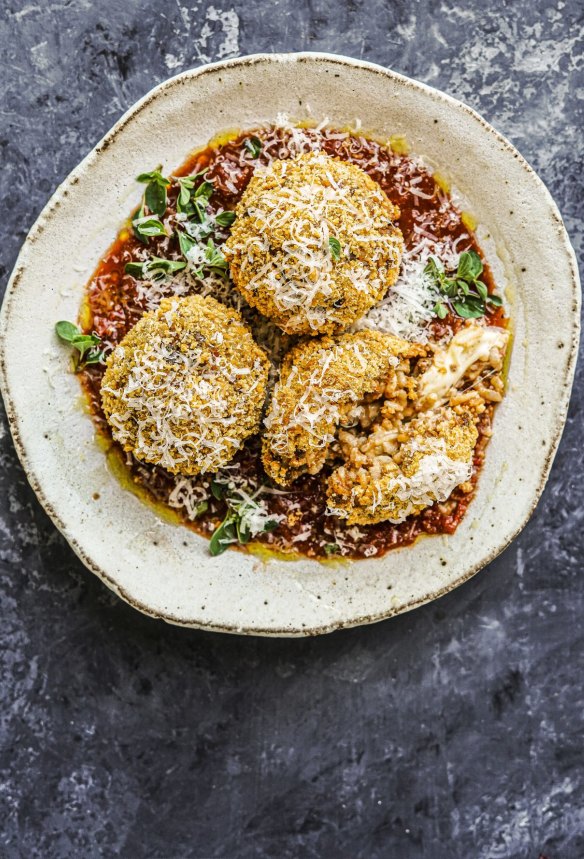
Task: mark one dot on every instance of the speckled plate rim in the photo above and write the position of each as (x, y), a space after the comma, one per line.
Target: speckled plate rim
(15, 418)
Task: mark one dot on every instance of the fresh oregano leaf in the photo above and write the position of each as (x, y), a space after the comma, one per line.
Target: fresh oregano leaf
(334, 247)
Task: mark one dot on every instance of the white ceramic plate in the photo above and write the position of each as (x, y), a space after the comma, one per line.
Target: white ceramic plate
(165, 570)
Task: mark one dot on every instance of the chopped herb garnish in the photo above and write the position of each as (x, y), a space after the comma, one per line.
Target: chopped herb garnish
(155, 193)
(237, 526)
(186, 185)
(157, 267)
(253, 146)
(463, 291)
(213, 256)
(335, 247)
(331, 549)
(223, 535)
(213, 260)
(193, 201)
(85, 345)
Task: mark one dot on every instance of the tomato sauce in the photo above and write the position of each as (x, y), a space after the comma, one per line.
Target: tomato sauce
(114, 303)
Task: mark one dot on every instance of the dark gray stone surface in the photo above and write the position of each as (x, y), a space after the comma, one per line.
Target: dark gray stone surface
(454, 732)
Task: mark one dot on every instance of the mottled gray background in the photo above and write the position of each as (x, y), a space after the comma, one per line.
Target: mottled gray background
(454, 732)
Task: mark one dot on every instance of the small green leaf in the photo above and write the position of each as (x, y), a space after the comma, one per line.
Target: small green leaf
(218, 490)
(155, 194)
(440, 310)
(253, 146)
(67, 331)
(213, 256)
(476, 264)
(84, 344)
(470, 265)
(139, 213)
(154, 176)
(93, 358)
(199, 207)
(335, 247)
(201, 508)
(167, 265)
(270, 525)
(464, 266)
(223, 535)
(243, 532)
(153, 265)
(136, 269)
(433, 269)
(155, 198)
(481, 289)
(184, 197)
(496, 300)
(149, 225)
(185, 242)
(463, 286)
(85, 341)
(331, 549)
(472, 308)
(204, 191)
(225, 219)
(189, 181)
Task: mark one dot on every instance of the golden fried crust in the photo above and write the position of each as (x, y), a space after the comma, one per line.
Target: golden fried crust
(279, 252)
(383, 486)
(321, 382)
(186, 386)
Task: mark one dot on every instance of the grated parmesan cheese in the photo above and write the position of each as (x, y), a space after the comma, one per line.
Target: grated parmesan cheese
(435, 479)
(408, 308)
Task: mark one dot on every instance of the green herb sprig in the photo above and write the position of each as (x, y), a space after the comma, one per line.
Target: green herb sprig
(155, 198)
(155, 193)
(157, 267)
(464, 292)
(85, 345)
(193, 199)
(214, 260)
(194, 193)
(235, 526)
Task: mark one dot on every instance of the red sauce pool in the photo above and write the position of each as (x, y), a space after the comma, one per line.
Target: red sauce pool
(114, 304)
